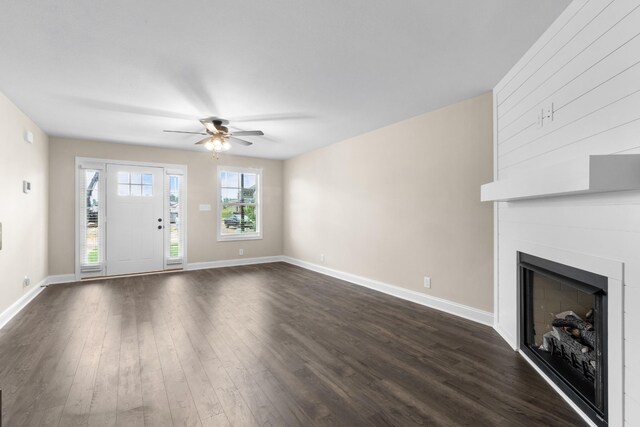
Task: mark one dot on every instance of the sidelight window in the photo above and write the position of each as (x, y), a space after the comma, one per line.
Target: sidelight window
(91, 221)
(175, 204)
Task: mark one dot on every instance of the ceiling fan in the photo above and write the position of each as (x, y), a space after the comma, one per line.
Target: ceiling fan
(218, 135)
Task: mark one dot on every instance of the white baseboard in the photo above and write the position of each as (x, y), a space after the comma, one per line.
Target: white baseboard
(232, 262)
(25, 299)
(558, 390)
(470, 313)
(461, 310)
(61, 278)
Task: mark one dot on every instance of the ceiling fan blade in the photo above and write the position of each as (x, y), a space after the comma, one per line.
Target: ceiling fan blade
(240, 141)
(182, 131)
(208, 123)
(248, 132)
(204, 141)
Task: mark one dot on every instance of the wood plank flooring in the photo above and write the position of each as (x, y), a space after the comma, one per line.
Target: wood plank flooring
(264, 345)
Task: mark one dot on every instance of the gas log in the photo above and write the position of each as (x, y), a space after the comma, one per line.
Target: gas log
(573, 339)
(578, 328)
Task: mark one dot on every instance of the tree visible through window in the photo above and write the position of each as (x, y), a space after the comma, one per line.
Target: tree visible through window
(239, 203)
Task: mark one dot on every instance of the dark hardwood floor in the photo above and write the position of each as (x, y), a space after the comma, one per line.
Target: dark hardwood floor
(271, 344)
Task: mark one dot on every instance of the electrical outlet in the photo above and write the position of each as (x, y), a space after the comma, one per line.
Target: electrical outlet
(241, 252)
(26, 282)
(427, 282)
(321, 257)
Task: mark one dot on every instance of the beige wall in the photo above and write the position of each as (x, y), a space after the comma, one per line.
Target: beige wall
(201, 226)
(23, 216)
(390, 215)
(400, 203)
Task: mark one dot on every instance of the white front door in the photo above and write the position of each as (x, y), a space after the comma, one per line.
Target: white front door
(135, 219)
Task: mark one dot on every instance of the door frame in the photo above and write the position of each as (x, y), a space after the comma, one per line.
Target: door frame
(101, 164)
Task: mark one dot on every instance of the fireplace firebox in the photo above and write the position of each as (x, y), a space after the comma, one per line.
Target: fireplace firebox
(563, 320)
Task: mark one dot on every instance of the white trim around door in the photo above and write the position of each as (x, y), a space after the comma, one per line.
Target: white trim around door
(90, 206)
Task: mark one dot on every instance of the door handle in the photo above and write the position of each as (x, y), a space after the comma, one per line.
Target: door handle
(159, 227)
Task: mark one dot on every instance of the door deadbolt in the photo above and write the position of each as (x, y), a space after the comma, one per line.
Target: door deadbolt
(159, 219)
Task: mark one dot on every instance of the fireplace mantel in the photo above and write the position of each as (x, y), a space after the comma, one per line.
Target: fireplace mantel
(589, 174)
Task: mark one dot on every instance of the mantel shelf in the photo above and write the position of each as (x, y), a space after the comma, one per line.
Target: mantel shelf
(591, 174)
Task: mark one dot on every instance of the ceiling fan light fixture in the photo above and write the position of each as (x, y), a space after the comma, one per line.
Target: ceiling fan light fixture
(218, 138)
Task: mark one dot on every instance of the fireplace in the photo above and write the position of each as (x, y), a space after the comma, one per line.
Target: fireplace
(563, 324)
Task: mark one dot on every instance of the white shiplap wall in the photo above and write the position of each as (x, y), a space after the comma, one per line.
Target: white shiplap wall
(587, 64)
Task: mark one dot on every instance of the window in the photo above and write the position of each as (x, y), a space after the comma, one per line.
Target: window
(135, 184)
(239, 203)
(176, 230)
(91, 228)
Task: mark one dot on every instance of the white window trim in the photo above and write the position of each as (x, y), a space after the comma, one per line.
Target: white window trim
(177, 262)
(253, 236)
(81, 165)
(101, 164)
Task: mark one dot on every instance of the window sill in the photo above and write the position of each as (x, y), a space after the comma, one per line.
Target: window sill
(235, 238)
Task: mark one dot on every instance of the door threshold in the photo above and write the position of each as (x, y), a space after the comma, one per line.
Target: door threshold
(144, 273)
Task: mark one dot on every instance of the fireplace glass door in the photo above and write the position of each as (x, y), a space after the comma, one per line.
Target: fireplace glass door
(564, 329)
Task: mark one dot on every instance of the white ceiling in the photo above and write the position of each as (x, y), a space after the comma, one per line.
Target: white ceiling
(308, 73)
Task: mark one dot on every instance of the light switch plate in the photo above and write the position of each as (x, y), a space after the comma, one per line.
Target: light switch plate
(205, 207)
(26, 186)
